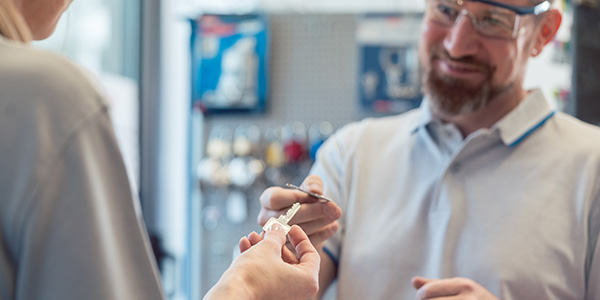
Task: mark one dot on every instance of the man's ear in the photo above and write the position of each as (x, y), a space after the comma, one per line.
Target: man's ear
(547, 29)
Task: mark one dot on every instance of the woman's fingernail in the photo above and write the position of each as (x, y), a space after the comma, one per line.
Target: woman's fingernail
(275, 226)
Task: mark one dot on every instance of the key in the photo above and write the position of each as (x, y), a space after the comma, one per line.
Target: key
(283, 220)
(308, 192)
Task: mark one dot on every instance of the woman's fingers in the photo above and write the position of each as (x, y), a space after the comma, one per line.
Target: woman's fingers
(307, 253)
(244, 244)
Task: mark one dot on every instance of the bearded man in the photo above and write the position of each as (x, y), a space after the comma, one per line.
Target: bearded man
(484, 192)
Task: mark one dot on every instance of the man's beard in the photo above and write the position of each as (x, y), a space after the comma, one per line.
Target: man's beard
(450, 96)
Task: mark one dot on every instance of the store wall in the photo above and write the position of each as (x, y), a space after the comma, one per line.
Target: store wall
(306, 6)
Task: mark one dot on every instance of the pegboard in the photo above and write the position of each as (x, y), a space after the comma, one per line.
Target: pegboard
(313, 78)
(312, 73)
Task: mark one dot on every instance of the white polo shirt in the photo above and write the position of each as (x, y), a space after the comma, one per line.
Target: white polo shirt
(515, 207)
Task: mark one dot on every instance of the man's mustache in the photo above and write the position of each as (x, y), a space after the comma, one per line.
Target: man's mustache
(469, 61)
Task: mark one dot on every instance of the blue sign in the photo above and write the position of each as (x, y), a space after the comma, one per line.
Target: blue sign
(229, 63)
(390, 76)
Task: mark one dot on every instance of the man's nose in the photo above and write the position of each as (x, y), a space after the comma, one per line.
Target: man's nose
(462, 39)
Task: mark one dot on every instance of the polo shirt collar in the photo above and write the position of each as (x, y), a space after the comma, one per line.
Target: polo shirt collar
(513, 128)
(425, 116)
(525, 119)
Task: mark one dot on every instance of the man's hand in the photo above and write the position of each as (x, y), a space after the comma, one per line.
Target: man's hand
(451, 288)
(260, 272)
(317, 218)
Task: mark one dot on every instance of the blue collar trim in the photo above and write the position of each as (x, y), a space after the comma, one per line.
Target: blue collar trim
(534, 128)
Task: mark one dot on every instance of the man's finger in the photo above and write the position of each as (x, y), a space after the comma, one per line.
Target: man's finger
(308, 212)
(313, 183)
(265, 214)
(327, 211)
(440, 288)
(418, 281)
(319, 237)
(278, 198)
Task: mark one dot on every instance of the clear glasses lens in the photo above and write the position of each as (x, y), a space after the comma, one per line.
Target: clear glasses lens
(489, 20)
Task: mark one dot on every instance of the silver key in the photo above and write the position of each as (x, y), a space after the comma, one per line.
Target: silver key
(283, 220)
(308, 192)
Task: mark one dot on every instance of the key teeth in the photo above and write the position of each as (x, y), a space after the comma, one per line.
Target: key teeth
(292, 211)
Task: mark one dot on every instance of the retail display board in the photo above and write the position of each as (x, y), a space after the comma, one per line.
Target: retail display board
(229, 63)
(389, 76)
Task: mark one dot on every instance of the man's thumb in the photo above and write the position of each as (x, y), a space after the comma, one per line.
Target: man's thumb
(418, 282)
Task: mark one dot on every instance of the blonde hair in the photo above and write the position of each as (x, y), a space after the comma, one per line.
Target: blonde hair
(12, 23)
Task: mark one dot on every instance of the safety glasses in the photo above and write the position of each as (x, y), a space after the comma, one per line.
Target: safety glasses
(490, 18)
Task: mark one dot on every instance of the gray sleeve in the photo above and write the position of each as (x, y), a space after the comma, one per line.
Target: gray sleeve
(82, 237)
(593, 288)
(593, 259)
